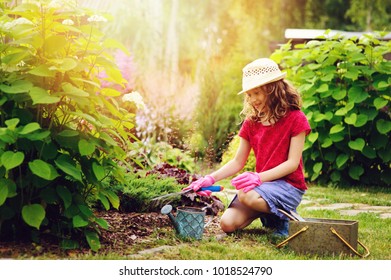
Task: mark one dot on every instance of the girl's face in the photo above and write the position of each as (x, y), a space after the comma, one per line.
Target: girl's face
(257, 98)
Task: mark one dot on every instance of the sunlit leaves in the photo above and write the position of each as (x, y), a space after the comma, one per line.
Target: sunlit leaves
(41, 96)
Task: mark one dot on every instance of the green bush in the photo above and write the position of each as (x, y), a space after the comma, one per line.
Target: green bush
(60, 132)
(345, 83)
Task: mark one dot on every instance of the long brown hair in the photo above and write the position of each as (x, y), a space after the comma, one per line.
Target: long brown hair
(281, 97)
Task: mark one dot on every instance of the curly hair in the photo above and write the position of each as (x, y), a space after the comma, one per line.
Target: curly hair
(281, 98)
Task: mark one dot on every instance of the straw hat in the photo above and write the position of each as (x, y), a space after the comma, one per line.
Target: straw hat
(260, 72)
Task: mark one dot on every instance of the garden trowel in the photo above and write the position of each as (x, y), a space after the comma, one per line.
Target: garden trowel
(209, 188)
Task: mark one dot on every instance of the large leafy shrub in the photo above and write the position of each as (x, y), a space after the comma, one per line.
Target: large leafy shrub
(60, 131)
(345, 83)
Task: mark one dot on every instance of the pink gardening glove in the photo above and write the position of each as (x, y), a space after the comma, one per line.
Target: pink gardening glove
(246, 181)
(202, 182)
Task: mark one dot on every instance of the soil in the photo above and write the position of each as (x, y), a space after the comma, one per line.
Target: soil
(126, 232)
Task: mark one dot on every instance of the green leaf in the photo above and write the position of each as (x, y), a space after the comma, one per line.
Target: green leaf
(361, 120)
(68, 165)
(383, 126)
(336, 128)
(357, 144)
(341, 160)
(65, 195)
(323, 88)
(335, 176)
(85, 210)
(93, 240)
(317, 167)
(20, 86)
(341, 112)
(85, 147)
(339, 94)
(313, 136)
(327, 143)
(33, 215)
(380, 84)
(30, 127)
(41, 96)
(67, 64)
(12, 123)
(380, 102)
(355, 172)
(110, 92)
(357, 94)
(327, 78)
(102, 223)
(113, 198)
(104, 200)
(68, 133)
(11, 160)
(369, 152)
(318, 117)
(74, 91)
(352, 73)
(351, 119)
(385, 154)
(78, 221)
(43, 170)
(42, 71)
(3, 191)
(98, 170)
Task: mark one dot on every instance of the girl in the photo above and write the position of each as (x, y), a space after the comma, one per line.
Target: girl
(275, 128)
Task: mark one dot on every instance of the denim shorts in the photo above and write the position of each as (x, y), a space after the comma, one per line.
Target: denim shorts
(279, 195)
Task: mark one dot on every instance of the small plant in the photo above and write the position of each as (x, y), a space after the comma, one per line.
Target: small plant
(345, 83)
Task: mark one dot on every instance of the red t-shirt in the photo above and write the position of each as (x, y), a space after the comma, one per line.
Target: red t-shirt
(270, 143)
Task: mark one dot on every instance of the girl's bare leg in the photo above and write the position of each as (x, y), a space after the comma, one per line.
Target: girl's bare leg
(243, 211)
(254, 201)
(238, 216)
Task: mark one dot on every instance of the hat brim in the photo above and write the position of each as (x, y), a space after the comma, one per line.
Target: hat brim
(279, 77)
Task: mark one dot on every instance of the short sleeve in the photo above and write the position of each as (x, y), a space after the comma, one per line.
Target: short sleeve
(300, 123)
(244, 131)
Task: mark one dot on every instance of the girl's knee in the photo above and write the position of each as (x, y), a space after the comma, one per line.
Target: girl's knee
(246, 199)
(227, 225)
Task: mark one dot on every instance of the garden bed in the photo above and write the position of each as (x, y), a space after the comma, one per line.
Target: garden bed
(127, 231)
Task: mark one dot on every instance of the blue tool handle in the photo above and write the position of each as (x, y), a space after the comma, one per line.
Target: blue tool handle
(212, 188)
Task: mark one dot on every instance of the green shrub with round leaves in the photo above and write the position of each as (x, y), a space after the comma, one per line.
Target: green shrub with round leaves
(345, 84)
(61, 133)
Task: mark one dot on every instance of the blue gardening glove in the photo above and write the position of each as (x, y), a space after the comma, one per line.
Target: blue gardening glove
(246, 181)
(202, 182)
